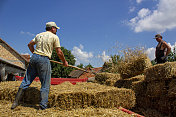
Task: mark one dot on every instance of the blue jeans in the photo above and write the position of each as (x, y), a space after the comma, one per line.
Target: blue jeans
(39, 66)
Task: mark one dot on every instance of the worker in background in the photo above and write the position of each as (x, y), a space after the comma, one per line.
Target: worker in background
(39, 64)
(162, 50)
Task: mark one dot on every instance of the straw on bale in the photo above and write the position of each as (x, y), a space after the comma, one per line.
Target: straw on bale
(156, 89)
(68, 96)
(107, 78)
(172, 89)
(150, 112)
(139, 87)
(134, 63)
(30, 111)
(164, 105)
(173, 103)
(134, 68)
(161, 72)
(127, 83)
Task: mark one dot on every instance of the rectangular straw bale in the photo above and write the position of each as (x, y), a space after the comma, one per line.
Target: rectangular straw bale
(161, 71)
(139, 87)
(156, 89)
(91, 94)
(68, 96)
(127, 83)
(9, 89)
(107, 78)
(134, 67)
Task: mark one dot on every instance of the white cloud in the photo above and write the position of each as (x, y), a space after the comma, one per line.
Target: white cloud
(143, 13)
(159, 20)
(25, 54)
(104, 57)
(81, 56)
(151, 53)
(172, 46)
(139, 1)
(132, 9)
(27, 33)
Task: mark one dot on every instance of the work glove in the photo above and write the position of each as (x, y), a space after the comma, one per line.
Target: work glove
(163, 58)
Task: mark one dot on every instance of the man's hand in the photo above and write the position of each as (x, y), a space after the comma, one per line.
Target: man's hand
(163, 58)
(65, 63)
(31, 46)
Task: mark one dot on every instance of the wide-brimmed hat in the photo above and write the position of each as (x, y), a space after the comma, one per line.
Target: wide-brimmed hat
(52, 24)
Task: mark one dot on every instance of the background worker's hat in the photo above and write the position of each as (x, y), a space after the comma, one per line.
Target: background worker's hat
(51, 24)
(157, 36)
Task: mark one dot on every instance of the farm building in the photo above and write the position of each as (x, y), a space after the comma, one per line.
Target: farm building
(82, 74)
(11, 62)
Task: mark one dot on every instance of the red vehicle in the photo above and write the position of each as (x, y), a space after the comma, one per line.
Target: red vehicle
(56, 81)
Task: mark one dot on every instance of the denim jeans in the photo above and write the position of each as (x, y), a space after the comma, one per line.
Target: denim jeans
(39, 66)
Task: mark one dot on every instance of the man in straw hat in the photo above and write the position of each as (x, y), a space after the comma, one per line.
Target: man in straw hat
(39, 64)
(162, 49)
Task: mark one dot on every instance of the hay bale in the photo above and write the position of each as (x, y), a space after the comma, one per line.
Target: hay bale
(107, 78)
(143, 102)
(134, 67)
(139, 87)
(81, 95)
(161, 72)
(156, 89)
(127, 83)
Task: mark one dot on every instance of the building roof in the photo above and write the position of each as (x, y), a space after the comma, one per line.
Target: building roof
(10, 63)
(76, 73)
(26, 56)
(81, 74)
(2, 41)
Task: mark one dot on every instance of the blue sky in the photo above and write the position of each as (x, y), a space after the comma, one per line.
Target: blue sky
(92, 29)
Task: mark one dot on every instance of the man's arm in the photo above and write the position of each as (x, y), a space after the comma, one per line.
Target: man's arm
(168, 48)
(61, 56)
(31, 46)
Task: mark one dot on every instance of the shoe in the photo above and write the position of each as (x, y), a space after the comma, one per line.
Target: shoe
(40, 108)
(17, 98)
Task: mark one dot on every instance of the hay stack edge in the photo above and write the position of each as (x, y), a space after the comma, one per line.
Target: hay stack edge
(67, 96)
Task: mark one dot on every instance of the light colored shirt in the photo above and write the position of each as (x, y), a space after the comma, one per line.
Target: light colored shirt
(45, 42)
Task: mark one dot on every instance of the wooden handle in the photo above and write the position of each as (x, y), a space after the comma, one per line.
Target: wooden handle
(68, 65)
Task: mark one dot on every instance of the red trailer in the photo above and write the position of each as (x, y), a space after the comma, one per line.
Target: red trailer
(56, 81)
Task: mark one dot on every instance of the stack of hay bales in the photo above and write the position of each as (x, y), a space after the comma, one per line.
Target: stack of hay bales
(107, 78)
(159, 92)
(68, 96)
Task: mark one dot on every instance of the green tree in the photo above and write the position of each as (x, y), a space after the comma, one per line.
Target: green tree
(80, 65)
(58, 70)
(112, 65)
(171, 57)
(89, 66)
(153, 62)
